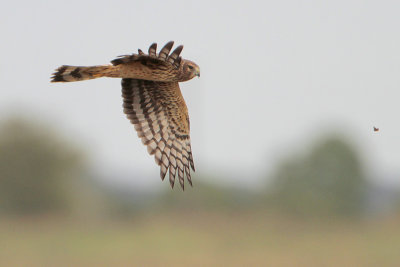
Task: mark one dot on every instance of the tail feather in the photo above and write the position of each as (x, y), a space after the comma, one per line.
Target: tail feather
(78, 73)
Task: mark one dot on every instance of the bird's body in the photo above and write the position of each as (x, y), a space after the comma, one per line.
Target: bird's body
(152, 102)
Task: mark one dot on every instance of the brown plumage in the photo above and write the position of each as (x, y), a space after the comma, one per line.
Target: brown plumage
(152, 101)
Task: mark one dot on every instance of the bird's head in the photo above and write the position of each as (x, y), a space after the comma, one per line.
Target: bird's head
(189, 70)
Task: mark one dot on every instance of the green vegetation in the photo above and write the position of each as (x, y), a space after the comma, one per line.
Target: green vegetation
(327, 181)
(35, 167)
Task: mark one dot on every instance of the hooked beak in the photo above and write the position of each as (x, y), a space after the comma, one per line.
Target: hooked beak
(197, 73)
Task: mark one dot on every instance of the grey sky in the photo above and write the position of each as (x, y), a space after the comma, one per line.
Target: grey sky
(274, 74)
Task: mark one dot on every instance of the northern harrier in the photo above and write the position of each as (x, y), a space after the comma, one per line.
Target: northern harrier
(152, 101)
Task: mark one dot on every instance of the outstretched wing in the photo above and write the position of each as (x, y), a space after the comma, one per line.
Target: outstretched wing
(160, 116)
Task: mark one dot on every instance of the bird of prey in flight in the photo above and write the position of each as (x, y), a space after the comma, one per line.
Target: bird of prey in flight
(152, 101)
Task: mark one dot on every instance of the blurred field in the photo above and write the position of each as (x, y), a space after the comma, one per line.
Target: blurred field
(199, 240)
(318, 209)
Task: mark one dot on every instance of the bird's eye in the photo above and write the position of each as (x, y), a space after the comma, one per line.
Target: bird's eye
(190, 67)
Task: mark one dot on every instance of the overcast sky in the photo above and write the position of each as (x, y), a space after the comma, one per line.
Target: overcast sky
(274, 74)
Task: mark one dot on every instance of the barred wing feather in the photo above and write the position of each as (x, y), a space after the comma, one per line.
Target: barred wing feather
(160, 116)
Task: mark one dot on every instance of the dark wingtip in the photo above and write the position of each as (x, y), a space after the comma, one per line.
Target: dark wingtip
(164, 52)
(190, 182)
(153, 49)
(162, 174)
(178, 50)
(170, 44)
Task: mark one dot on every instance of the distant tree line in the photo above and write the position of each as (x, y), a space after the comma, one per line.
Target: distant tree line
(329, 179)
(35, 166)
(41, 172)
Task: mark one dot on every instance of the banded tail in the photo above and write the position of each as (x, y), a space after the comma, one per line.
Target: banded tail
(78, 73)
